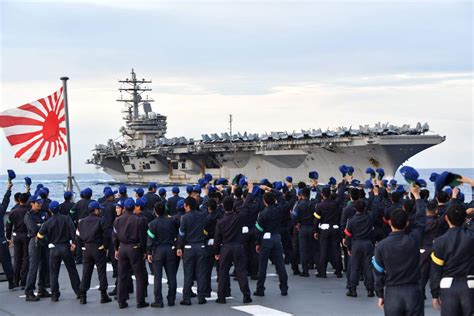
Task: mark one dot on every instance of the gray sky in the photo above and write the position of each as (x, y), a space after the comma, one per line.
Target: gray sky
(275, 65)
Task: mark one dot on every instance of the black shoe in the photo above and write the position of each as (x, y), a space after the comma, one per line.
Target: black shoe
(143, 304)
(104, 298)
(123, 305)
(338, 274)
(83, 299)
(259, 293)
(43, 294)
(296, 272)
(221, 301)
(202, 301)
(304, 274)
(157, 305)
(193, 294)
(32, 298)
(54, 298)
(370, 293)
(247, 299)
(113, 292)
(322, 276)
(170, 303)
(284, 293)
(187, 303)
(11, 284)
(351, 293)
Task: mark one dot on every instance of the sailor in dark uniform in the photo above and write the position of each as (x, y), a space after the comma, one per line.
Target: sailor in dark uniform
(162, 195)
(109, 214)
(452, 278)
(209, 257)
(171, 204)
(92, 232)
(79, 211)
(162, 233)
(130, 249)
(397, 263)
(139, 192)
(151, 197)
(5, 257)
(66, 206)
(61, 239)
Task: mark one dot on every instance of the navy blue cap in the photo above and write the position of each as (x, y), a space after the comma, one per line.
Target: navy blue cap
(197, 189)
(109, 193)
(313, 175)
(355, 183)
(243, 182)
(202, 182)
(129, 203)
(433, 176)
(265, 182)
(370, 171)
(368, 184)
(36, 199)
(175, 190)
(237, 178)
(43, 192)
(446, 179)
(255, 191)
(278, 185)
(141, 201)
(421, 183)
(180, 205)
(120, 203)
(208, 177)
(68, 195)
(122, 189)
(448, 190)
(343, 170)
(212, 189)
(384, 183)
(88, 192)
(400, 189)
(461, 197)
(152, 185)
(289, 179)
(410, 174)
(222, 181)
(106, 189)
(393, 183)
(93, 205)
(39, 186)
(350, 170)
(11, 174)
(381, 173)
(139, 191)
(28, 181)
(189, 188)
(162, 191)
(332, 181)
(54, 206)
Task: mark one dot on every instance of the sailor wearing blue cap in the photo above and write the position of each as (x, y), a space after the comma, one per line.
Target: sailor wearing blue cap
(172, 203)
(122, 190)
(5, 257)
(79, 211)
(108, 217)
(162, 195)
(59, 231)
(66, 206)
(93, 236)
(37, 251)
(141, 210)
(44, 194)
(139, 192)
(130, 248)
(151, 196)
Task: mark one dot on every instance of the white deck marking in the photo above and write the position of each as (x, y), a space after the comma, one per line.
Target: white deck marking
(259, 310)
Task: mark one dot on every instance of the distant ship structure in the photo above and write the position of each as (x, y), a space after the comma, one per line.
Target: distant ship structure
(147, 155)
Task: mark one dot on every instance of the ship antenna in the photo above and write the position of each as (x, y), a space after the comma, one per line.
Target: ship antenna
(230, 126)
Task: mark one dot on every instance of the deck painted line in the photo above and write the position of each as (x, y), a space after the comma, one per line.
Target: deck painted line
(259, 310)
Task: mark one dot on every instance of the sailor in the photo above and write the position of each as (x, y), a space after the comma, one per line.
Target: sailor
(162, 195)
(173, 201)
(79, 211)
(209, 257)
(37, 252)
(162, 233)
(397, 263)
(229, 249)
(396, 202)
(92, 232)
(66, 206)
(109, 214)
(101, 200)
(328, 219)
(16, 228)
(44, 193)
(5, 257)
(269, 242)
(140, 209)
(286, 226)
(122, 194)
(191, 247)
(151, 197)
(452, 278)
(348, 212)
(130, 249)
(359, 231)
(59, 232)
(303, 214)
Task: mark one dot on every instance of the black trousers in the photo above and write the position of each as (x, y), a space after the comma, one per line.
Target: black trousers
(193, 266)
(458, 299)
(6, 259)
(93, 256)
(249, 241)
(425, 266)
(164, 257)
(131, 258)
(37, 252)
(20, 258)
(272, 249)
(62, 252)
(288, 248)
(403, 300)
(361, 257)
(209, 262)
(306, 238)
(232, 254)
(330, 249)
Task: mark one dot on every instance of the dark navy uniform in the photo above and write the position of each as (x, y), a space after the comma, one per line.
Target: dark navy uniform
(5, 257)
(66, 207)
(60, 231)
(328, 218)
(130, 242)
(37, 252)
(249, 235)
(78, 211)
(151, 199)
(192, 241)
(397, 269)
(171, 204)
(109, 214)
(92, 232)
(16, 228)
(269, 240)
(452, 278)
(209, 256)
(228, 245)
(303, 213)
(162, 233)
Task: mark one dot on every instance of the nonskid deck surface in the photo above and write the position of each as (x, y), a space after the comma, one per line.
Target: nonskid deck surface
(306, 296)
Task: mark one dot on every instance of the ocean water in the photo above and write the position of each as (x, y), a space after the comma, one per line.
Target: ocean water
(96, 181)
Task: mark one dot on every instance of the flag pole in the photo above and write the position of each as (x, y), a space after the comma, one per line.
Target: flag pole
(70, 177)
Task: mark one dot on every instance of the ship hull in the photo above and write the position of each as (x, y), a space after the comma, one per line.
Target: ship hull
(387, 152)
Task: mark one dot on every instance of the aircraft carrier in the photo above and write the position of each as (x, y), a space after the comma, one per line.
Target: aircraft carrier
(145, 154)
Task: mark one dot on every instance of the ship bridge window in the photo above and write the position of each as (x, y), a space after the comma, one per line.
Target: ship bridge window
(175, 165)
(152, 162)
(147, 166)
(133, 166)
(183, 165)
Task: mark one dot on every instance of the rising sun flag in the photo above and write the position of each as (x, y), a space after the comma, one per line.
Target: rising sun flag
(37, 130)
